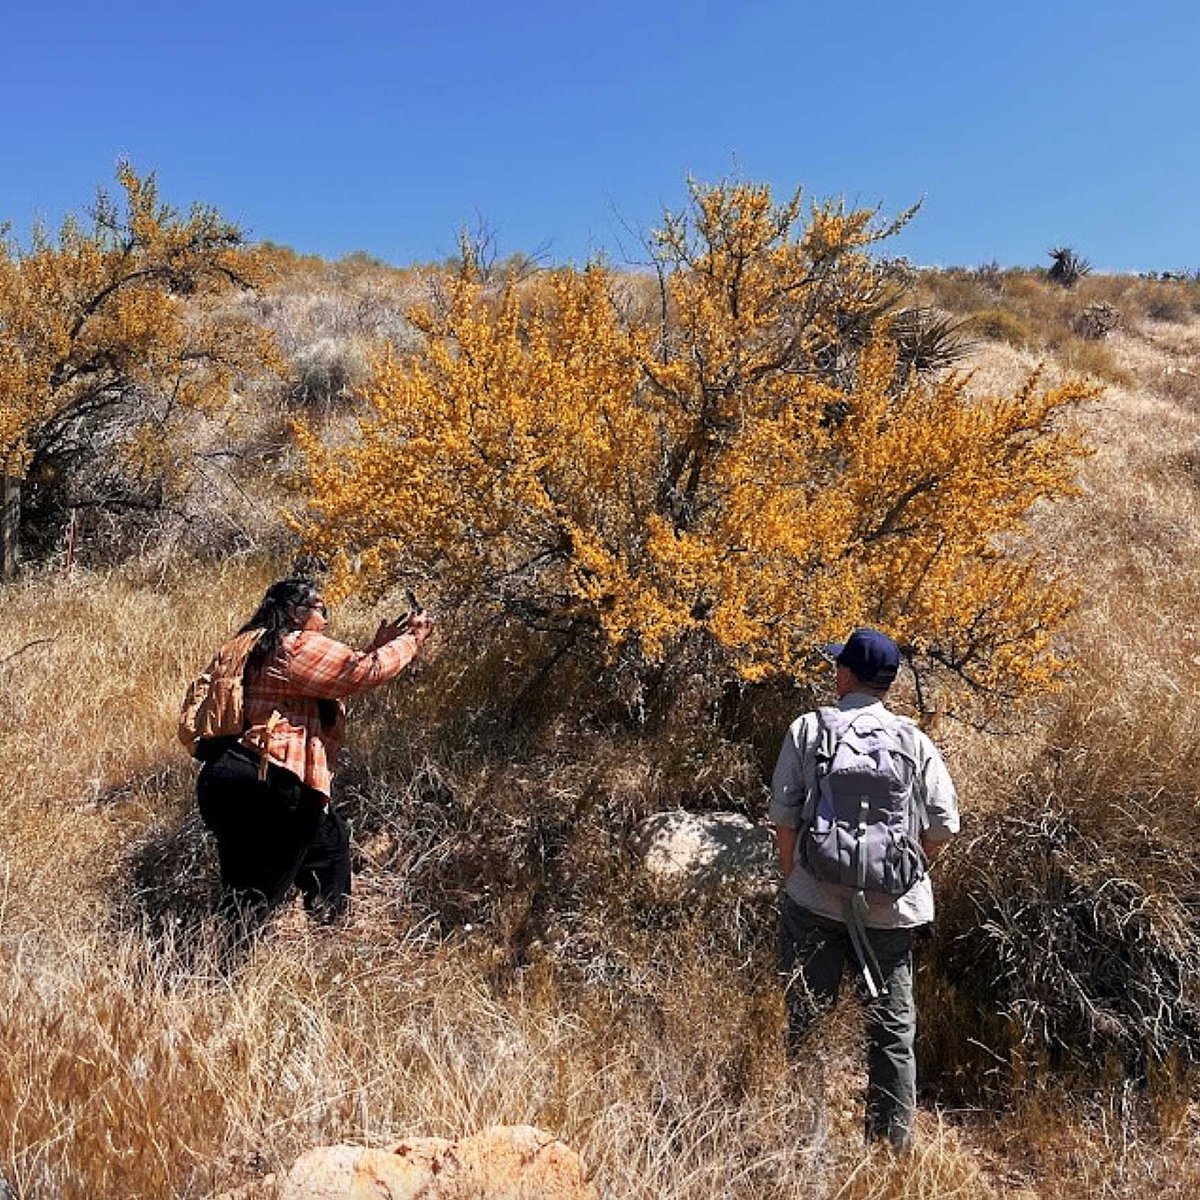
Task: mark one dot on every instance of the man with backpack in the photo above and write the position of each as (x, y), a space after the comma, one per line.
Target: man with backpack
(861, 803)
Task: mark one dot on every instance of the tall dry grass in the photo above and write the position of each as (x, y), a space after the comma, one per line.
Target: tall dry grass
(121, 1075)
(134, 1065)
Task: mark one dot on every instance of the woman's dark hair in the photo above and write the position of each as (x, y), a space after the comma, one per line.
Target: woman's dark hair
(276, 615)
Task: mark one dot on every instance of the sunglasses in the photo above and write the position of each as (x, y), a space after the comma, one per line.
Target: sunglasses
(322, 608)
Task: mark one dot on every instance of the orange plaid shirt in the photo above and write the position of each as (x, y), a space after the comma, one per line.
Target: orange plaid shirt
(282, 716)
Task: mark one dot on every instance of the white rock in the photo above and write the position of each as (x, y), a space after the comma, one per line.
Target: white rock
(692, 854)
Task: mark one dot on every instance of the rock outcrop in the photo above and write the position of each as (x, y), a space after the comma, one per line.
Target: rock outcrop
(501, 1163)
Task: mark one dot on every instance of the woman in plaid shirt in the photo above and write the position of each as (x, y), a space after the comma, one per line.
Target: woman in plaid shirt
(266, 796)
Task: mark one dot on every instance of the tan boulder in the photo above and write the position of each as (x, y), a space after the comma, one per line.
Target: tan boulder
(502, 1163)
(266, 1188)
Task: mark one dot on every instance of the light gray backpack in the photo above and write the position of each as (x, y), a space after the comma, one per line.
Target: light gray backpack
(861, 822)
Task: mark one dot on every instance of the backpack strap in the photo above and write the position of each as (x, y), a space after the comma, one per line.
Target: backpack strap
(905, 734)
(814, 758)
(856, 925)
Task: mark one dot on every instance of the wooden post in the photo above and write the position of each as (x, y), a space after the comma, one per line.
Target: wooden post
(10, 526)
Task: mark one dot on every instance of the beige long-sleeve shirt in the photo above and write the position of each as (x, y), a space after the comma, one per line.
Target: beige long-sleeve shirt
(940, 822)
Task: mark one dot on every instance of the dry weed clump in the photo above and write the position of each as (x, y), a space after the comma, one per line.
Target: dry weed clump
(1000, 325)
(1064, 955)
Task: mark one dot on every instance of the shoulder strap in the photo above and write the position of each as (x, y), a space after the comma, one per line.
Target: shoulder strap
(904, 732)
(816, 756)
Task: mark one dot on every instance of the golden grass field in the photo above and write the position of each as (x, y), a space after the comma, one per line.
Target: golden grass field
(135, 1063)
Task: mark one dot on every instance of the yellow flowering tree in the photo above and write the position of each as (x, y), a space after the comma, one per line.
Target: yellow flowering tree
(110, 329)
(732, 464)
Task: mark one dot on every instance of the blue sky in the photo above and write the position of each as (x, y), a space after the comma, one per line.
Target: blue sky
(385, 127)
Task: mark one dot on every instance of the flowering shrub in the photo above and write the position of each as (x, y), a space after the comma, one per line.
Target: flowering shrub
(737, 464)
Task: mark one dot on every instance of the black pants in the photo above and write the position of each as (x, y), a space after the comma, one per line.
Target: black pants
(814, 952)
(272, 834)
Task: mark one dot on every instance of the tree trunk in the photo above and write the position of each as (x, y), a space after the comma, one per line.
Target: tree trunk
(10, 526)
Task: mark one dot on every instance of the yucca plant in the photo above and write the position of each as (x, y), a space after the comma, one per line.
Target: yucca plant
(1067, 268)
(929, 340)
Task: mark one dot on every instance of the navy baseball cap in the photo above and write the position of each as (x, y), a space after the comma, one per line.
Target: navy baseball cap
(871, 656)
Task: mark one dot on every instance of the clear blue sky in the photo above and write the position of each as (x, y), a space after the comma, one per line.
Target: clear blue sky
(384, 127)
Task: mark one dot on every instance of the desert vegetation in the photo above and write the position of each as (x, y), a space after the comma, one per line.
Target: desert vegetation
(561, 461)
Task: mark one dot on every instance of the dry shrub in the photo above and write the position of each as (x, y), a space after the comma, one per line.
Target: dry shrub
(1175, 305)
(1186, 464)
(1073, 959)
(1097, 320)
(1001, 325)
(519, 824)
(328, 321)
(1088, 357)
(326, 373)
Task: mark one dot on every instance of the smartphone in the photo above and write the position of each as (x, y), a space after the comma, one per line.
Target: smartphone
(414, 607)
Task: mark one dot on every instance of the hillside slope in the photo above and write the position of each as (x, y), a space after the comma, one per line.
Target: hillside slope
(502, 964)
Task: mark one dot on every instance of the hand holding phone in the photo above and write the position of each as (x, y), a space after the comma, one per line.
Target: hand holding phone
(419, 623)
(414, 607)
(416, 622)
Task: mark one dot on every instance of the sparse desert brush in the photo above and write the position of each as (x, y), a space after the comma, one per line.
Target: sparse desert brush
(1001, 325)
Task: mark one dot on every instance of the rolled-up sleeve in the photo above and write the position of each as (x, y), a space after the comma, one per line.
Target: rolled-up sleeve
(787, 784)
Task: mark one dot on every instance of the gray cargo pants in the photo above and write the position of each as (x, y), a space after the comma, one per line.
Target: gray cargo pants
(813, 954)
